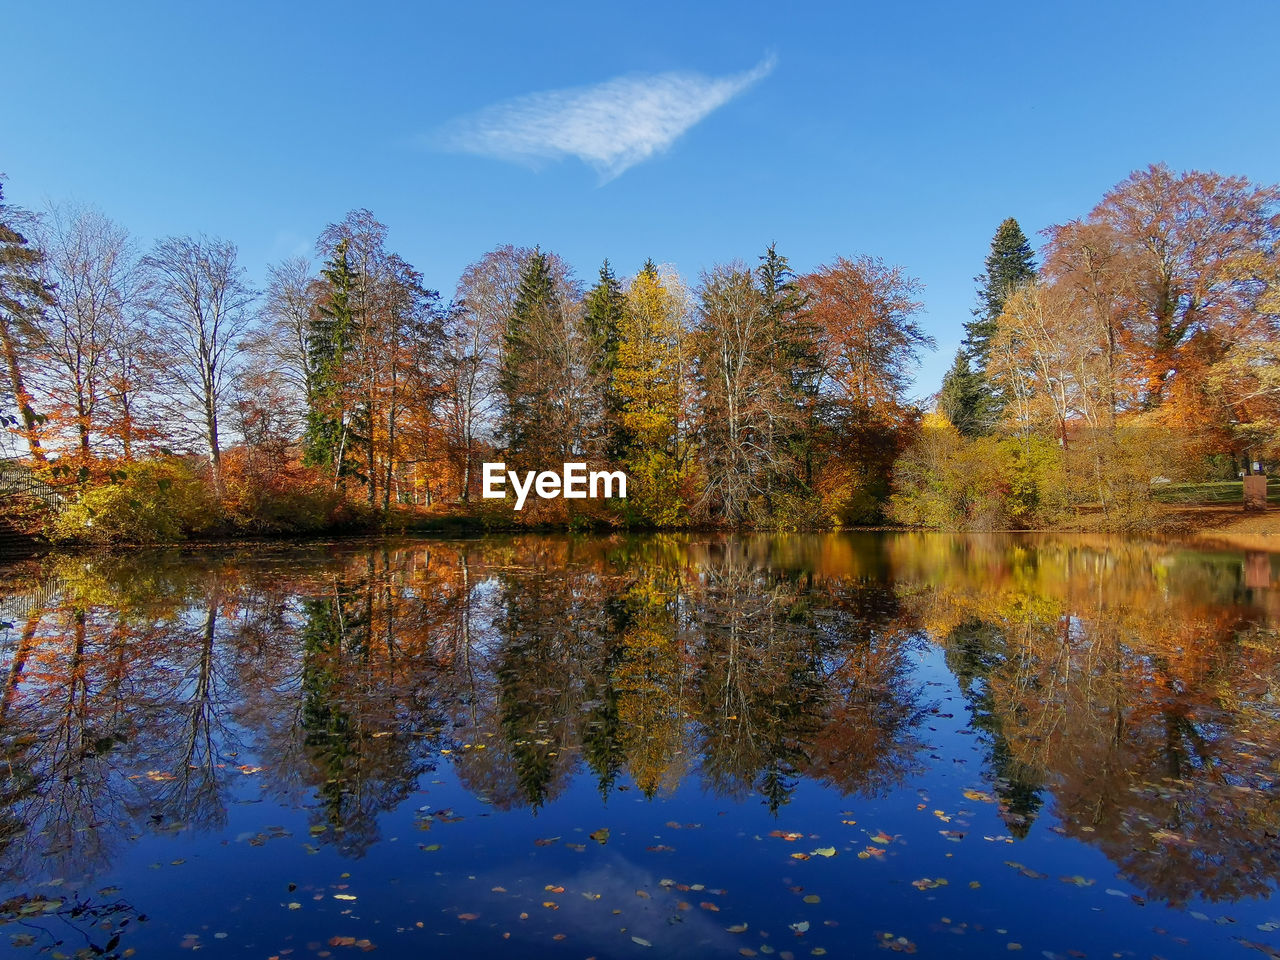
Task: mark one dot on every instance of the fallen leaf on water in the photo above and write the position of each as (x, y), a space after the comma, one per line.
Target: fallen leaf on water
(801, 927)
(881, 837)
(978, 796)
(737, 928)
(642, 941)
(825, 852)
(799, 856)
(813, 898)
(1078, 880)
(926, 883)
(601, 836)
(1263, 948)
(552, 888)
(468, 916)
(643, 894)
(707, 905)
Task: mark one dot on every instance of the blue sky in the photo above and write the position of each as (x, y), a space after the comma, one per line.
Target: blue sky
(906, 131)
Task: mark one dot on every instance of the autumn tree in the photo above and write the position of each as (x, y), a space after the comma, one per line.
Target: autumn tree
(1193, 243)
(412, 324)
(646, 382)
(731, 344)
(87, 338)
(485, 298)
(281, 345)
(469, 391)
(200, 302)
(1088, 260)
(869, 343)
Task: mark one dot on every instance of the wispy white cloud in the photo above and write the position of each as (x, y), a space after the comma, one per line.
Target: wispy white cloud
(611, 126)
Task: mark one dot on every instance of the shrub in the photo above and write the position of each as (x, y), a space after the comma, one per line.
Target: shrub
(988, 483)
(148, 502)
(288, 499)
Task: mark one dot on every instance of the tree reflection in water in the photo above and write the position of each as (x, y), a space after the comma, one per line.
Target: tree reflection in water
(1132, 689)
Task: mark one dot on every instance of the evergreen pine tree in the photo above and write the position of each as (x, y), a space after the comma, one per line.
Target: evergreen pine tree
(527, 378)
(1009, 265)
(793, 352)
(327, 440)
(23, 295)
(602, 314)
(962, 397)
(602, 309)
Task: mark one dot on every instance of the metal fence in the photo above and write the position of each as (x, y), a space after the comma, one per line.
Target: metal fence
(19, 485)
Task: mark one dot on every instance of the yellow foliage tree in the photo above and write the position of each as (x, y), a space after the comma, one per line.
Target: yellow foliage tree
(647, 381)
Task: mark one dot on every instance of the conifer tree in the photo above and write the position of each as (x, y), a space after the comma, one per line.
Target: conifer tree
(327, 440)
(793, 352)
(1009, 265)
(603, 309)
(962, 397)
(23, 295)
(529, 374)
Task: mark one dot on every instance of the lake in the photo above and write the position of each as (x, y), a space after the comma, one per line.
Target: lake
(643, 746)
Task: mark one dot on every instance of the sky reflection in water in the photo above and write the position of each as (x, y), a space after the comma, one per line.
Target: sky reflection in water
(643, 746)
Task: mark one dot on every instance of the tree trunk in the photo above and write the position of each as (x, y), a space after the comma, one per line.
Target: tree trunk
(20, 395)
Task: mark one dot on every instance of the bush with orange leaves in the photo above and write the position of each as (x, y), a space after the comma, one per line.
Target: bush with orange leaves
(280, 496)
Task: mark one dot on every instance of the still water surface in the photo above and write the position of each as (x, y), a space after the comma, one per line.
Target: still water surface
(639, 747)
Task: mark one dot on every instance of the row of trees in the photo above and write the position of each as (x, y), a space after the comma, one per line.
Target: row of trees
(754, 395)
(1146, 343)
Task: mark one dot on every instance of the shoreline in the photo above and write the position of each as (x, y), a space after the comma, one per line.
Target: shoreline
(1204, 526)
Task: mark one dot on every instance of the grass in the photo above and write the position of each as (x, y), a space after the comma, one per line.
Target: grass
(1217, 491)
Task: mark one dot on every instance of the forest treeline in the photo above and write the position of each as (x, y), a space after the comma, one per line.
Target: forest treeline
(170, 398)
(1144, 349)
